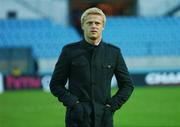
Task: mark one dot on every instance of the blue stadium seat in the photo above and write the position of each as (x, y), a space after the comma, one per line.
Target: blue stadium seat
(140, 36)
(136, 36)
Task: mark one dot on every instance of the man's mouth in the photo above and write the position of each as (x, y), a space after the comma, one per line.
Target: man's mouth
(93, 31)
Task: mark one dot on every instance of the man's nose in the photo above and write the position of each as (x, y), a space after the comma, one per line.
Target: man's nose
(93, 24)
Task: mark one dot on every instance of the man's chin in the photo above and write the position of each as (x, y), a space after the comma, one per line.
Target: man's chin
(93, 38)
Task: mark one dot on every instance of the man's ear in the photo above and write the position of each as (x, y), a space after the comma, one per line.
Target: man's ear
(82, 26)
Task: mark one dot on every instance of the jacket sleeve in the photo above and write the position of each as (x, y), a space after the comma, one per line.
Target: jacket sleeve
(59, 79)
(124, 81)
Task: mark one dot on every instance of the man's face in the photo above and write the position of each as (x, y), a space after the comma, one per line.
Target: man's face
(93, 26)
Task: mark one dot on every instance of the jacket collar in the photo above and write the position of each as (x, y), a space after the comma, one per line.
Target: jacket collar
(88, 45)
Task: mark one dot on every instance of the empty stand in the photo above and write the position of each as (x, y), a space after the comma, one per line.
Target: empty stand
(142, 40)
(140, 36)
(45, 37)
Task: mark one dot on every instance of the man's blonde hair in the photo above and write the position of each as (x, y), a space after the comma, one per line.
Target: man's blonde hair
(93, 10)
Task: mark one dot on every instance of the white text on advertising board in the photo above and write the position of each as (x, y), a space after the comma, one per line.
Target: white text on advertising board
(164, 78)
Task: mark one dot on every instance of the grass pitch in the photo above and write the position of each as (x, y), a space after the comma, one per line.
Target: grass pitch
(147, 107)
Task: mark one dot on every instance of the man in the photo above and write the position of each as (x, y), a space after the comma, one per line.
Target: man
(89, 66)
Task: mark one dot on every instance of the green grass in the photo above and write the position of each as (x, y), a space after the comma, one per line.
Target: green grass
(147, 107)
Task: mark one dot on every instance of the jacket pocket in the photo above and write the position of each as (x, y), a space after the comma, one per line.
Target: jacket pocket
(107, 117)
(78, 67)
(108, 70)
(76, 64)
(108, 66)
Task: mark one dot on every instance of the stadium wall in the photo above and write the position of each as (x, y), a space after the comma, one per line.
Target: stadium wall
(156, 7)
(135, 64)
(56, 10)
(1, 83)
(12, 5)
(153, 63)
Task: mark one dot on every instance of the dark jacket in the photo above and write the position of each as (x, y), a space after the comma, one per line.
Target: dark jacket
(89, 72)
